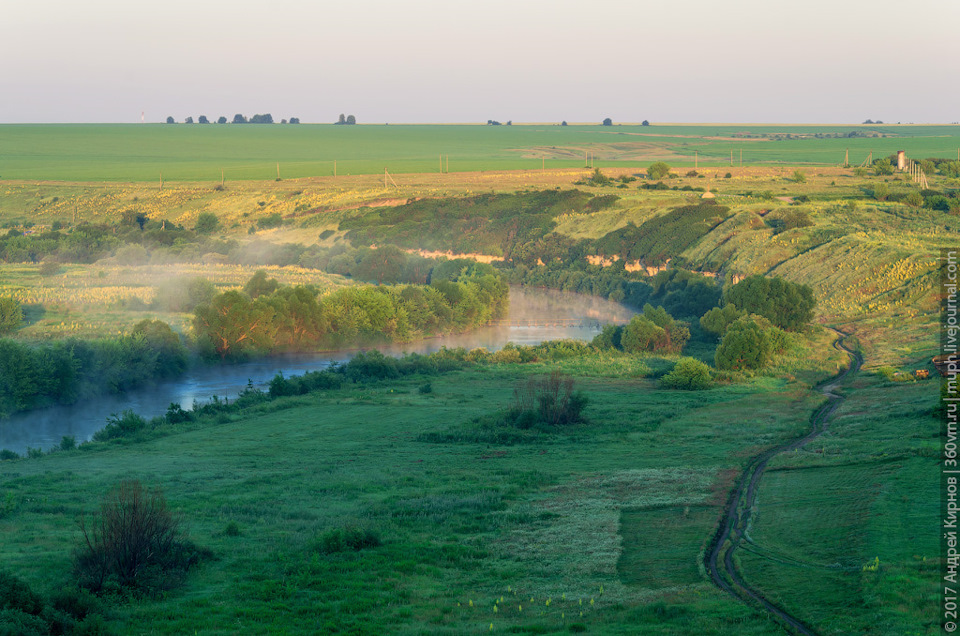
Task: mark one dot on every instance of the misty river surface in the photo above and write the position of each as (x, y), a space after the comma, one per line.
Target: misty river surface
(535, 315)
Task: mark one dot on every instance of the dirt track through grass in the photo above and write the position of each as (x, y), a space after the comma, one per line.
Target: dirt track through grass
(735, 521)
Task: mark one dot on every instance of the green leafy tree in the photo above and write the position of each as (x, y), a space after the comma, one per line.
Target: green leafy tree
(642, 334)
(799, 177)
(260, 285)
(745, 346)
(207, 223)
(171, 355)
(11, 315)
(718, 319)
(233, 325)
(658, 170)
(382, 265)
(608, 122)
(785, 304)
(881, 191)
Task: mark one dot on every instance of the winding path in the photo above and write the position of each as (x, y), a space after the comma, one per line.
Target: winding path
(741, 505)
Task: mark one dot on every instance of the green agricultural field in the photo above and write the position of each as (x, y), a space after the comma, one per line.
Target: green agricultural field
(182, 152)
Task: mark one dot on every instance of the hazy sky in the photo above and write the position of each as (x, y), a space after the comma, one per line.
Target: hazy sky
(455, 61)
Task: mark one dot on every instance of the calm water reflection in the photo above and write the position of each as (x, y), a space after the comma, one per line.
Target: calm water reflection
(534, 314)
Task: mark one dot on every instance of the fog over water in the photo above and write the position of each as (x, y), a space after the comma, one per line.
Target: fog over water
(535, 315)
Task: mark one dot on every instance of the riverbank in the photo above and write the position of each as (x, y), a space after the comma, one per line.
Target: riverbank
(531, 320)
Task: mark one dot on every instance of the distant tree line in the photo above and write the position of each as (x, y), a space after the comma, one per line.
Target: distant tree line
(265, 118)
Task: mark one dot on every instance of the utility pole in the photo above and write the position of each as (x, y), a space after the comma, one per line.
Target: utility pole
(278, 171)
(221, 177)
(161, 181)
(846, 158)
(586, 162)
(448, 164)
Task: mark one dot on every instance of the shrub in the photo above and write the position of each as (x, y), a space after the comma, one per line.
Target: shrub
(423, 389)
(232, 529)
(548, 399)
(68, 443)
(175, 414)
(347, 539)
(609, 338)
(881, 191)
(270, 221)
(49, 268)
(207, 222)
(913, 199)
(6, 455)
(658, 170)
(688, 374)
(799, 177)
(882, 167)
(134, 543)
(17, 595)
(11, 315)
(598, 178)
(121, 425)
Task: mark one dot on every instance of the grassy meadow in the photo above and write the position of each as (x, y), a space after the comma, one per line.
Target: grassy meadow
(598, 528)
(192, 153)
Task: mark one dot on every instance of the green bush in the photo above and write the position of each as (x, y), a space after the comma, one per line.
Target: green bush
(688, 374)
(348, 539)
(658, 170)
(270, 221)
(207, 223)
(135, 543)
(549, 400)
(11, 315)
(122, 425)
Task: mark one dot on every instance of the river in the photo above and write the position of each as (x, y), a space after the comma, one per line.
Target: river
(535, 315)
